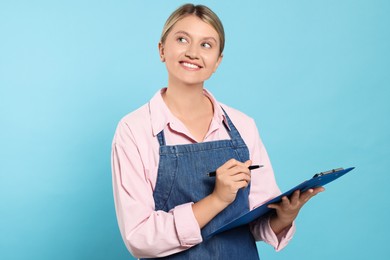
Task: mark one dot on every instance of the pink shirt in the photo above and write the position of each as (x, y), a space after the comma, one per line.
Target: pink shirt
(135, 159)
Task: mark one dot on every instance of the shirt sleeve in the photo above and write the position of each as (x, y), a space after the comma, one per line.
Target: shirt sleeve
(145, 231)
(264, 188)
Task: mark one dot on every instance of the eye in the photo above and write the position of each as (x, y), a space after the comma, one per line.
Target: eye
(206, 45)
(182, 40)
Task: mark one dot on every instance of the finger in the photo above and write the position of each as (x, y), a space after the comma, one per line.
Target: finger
(273, 206)
(241, 177)
(295, 197)
(228, 164)
(312, 192)
(318, 190)
(248, 163)
(285, 201)
(241, 184)
(224, 168)
(238, 169)
(306, 195)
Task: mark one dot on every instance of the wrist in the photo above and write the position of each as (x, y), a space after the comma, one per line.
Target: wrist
(207, 208)
(217, 202)
(279, 224)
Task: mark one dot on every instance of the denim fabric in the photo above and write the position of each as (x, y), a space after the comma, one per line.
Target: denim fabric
(182, 178)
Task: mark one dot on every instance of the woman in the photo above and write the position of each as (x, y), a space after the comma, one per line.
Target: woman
(166, 204)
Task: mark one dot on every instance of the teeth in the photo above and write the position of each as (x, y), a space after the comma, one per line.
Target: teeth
(189, 65)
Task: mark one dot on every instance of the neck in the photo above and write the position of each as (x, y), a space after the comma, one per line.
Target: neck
(186, 101)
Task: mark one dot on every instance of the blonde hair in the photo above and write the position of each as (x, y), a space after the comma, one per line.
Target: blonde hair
(202, 12)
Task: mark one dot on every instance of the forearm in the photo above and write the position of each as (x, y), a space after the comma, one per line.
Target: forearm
(161, 234)
(145, 231)
(207, 208)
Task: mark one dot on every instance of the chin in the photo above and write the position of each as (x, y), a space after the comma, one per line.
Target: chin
(195, 81)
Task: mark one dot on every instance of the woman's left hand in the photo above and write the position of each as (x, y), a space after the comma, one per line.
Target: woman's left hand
(287, 210)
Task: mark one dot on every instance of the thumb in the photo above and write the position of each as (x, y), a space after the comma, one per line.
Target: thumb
(248, 163)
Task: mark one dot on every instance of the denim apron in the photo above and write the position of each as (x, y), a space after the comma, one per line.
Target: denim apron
(182, 178)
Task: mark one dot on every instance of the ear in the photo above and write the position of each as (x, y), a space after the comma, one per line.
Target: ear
(161, 51)
(218, 62)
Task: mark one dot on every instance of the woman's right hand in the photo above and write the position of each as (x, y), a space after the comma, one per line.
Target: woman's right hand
(230, 177)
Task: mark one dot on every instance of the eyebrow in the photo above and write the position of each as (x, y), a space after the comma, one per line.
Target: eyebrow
(205, 38)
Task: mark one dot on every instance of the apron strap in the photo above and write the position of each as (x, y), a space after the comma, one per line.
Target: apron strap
(161, 138)
(233, 132)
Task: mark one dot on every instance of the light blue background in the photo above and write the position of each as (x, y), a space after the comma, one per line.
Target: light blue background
(313, 74)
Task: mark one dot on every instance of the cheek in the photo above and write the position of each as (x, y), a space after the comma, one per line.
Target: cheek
(168, 53)
(174, 49)
(214, 63)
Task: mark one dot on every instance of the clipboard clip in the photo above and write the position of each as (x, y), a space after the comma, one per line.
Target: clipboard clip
(327, 172)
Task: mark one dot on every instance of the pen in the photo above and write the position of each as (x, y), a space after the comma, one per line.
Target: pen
(252, 167)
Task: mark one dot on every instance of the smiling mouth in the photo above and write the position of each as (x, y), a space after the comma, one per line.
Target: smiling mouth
(190, 65)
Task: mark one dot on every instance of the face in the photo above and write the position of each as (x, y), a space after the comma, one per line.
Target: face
(191, 52)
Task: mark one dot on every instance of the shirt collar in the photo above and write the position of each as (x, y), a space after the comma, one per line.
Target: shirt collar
(159, 112)
(161, 116)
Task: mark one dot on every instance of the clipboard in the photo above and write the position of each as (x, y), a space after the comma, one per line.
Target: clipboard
(318, 180)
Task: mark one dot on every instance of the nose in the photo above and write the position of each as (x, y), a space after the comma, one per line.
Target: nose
(192, 51)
